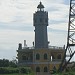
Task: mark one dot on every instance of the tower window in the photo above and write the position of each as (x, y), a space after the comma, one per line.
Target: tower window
(45, 69)
(41, 20)
(35, 20)
(46, 20)
(37, 56)
(37, 69)
(45, 56)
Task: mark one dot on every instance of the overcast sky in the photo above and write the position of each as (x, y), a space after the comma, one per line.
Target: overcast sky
(16, 23)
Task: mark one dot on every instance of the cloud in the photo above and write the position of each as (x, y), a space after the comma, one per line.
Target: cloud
(16, 26)
(17, 12)
(56, 38)
(10, 39)
(24, 9)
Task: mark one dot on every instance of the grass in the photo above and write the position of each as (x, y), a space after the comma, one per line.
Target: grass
(16, 74)
(13, 74)
(67, 73)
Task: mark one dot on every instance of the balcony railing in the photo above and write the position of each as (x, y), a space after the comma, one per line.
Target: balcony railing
(49, 47)
(48, 62)
(55, 47)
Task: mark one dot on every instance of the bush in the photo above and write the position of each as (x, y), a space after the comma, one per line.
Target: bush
(8, 70)
(25, 70)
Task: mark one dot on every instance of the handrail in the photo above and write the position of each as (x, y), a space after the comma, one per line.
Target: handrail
(49, 47)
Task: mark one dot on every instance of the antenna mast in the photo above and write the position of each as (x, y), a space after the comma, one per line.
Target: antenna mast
(70, 39)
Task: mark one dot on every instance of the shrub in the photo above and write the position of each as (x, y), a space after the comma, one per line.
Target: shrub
(25, 70)
(8, 71)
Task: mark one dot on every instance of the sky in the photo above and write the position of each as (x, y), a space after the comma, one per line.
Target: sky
(16, 24)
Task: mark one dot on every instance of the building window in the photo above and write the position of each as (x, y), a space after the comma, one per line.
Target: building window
(24, 58)
(59, 56)
(37, 56)
(52, 57)
(31, 57)
(37, 69)
(45, 56)
(45, 69)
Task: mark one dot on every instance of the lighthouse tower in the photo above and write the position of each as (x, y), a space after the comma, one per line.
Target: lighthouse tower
(42, 59)
(40, 20)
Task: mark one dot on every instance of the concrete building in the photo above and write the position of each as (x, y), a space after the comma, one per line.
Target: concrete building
(41, 57)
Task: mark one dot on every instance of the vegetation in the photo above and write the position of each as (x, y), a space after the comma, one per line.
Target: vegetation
(69, 71)
(7, 63)
(10, 68)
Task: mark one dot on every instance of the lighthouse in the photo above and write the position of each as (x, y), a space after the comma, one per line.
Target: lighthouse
(42, 58)
(40, 21)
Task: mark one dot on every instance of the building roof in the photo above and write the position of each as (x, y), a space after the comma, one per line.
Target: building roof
(40, 5)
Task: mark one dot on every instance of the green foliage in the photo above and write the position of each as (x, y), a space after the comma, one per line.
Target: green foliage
(11, 70)
(12, 64)
(10, 67)
(25, 70)
(8, 70)
(68, 71)
(4, 63)
(7, 63)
